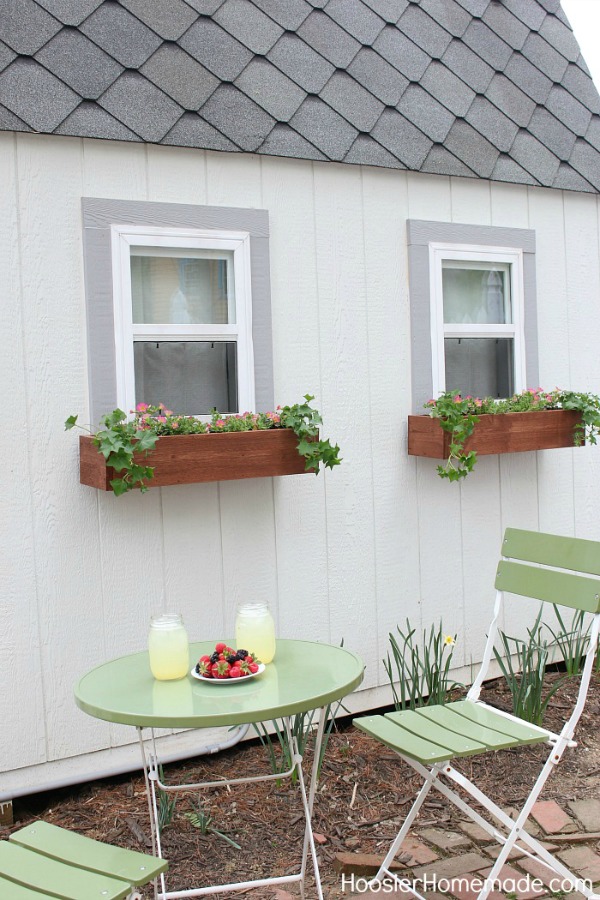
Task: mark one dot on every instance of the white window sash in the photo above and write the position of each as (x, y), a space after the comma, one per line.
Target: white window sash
(439, 252)
(123, 237)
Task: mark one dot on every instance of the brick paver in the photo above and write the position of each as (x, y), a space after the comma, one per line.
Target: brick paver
(583, 861)
(588, 813)
(553, 819)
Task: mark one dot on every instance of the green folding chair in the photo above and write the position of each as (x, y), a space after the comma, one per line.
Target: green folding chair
(555, 570)
(45, 861)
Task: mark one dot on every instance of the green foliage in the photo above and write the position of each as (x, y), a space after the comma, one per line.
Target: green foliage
(421, 670)
(167, 803)
(459, 415)
(572, 642)
(202, 820)
(120, 439)
(525, 675)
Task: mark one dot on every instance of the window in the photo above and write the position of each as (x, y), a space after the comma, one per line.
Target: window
(183, 319)
(473, 310)
(477, 334)
(178, 306)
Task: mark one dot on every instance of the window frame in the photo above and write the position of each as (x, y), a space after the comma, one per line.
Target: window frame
(123, 237)
(98, 315)
(420, 234)
(438, 253)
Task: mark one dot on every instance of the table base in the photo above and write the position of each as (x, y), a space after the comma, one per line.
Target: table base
(151, 767)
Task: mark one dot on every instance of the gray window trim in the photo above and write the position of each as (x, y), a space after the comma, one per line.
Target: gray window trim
(420, 234)
(98, 216)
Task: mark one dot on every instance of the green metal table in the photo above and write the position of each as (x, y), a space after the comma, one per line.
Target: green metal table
(303, 677)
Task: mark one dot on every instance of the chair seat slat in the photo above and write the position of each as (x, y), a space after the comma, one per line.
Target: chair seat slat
(13, 891)
(520, 731)
(76, 849)
(396, 737)
(428, 730)
(36, 871)
(448, 718)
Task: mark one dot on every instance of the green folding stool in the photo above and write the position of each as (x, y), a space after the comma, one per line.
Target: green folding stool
(558, 570)
(45, 861)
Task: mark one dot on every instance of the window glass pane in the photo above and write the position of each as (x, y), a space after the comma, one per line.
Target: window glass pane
(481, 367)
(176, 289)
(476, 292)
(189, 377)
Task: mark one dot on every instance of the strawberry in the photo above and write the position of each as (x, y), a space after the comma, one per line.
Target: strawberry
(204, 667)
(235, 672)
(221, 669)
(220, 647)
(253, 668)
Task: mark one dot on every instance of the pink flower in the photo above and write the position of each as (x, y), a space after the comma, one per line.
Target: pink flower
(161, 418)
(174, 424)
(141, 407)
(458, 398)
(220, 422)
(168, 412)
(478, 402)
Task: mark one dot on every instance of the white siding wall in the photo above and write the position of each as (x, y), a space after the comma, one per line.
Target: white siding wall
(345, 556)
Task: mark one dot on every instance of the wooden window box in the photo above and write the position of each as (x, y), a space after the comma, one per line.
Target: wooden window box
(193, 458)
(506, 433)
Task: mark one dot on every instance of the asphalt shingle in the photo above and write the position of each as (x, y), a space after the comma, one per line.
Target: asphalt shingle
(121, 35)
(566, 108)
(544, 57)
(401, 137)
(193, 131)
(402, 53)
(505, 25)
(512, 101)
(441, 162)
(79, 63)
(168, 18)
(70, 12)
(271, 89)
(552, 133)
(528, 11)
(26, 26)
(301, 63)
(249, 25)
(141, 106)
(215, 49)
(175, 72)
(492, 124)
(238, 117)
(389, 10)
(10, 122)
(468, 66)
(472, 148)
(378, 76)
(324, 128)
(205, 7)
(529, 78)
(447, 88)
(36, 96)
(449, 15)
(475, 7)
(570, 180)
(367, 152)
(534, 157)
(561, 37)
(356, 18)
(506, 169)
(290, 14)
(90, 120)
(582, 87)
(550, 6)
(426, 34)
(352, 101)
(327, 38)
(6, 55)
(422, 110)
(487, 45)
(284, 141)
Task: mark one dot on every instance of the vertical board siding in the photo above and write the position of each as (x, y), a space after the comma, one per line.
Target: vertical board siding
(348, 555)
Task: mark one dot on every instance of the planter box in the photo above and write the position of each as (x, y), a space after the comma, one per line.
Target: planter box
(192, 458)
(507, 433)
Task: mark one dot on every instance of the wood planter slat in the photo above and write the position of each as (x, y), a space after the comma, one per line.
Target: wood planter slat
(505, 433)
(192, 458)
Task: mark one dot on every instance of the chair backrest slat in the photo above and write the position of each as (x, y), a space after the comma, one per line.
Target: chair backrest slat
(551, 586)
(576, 554)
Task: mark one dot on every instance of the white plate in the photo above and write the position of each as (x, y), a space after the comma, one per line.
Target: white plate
(194, 674)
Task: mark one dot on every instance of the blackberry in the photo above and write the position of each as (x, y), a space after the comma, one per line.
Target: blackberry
(242, 654)
(215, 657)
(232, 659)
(197, 668)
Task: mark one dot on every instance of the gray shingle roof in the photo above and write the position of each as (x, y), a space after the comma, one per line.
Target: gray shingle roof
(476, 88)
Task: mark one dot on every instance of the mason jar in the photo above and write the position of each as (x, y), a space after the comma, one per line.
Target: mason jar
(168, 647)
(255, 630)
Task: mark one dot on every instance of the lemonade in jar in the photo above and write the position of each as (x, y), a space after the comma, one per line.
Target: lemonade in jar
(168, 647)
(255, 630)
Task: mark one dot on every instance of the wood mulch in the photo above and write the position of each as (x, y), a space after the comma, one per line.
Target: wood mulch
(363, 793)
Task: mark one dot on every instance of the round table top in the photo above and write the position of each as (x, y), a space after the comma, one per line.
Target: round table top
(303, 676)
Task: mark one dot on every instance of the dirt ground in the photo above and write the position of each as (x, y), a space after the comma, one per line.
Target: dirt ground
(363, 793)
